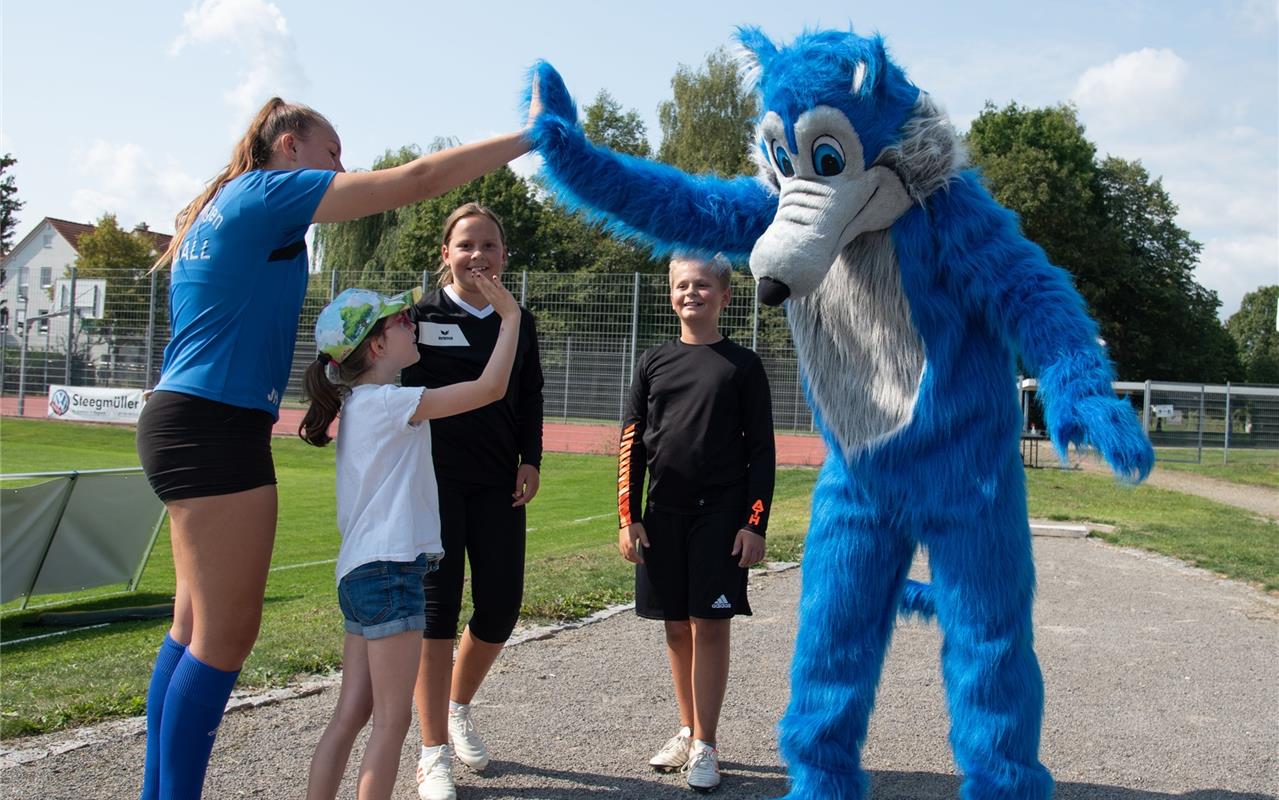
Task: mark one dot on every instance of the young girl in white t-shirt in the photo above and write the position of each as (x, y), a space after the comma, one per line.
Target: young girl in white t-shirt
(388, 512)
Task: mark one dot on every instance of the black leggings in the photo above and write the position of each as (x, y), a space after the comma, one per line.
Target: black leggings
(479, 521)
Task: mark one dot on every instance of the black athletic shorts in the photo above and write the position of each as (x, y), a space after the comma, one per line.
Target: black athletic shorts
(193, 447)
(477, 525)
(689, 569)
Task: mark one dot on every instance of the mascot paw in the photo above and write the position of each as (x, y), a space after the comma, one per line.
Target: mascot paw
(1109, 425)
(552, 92)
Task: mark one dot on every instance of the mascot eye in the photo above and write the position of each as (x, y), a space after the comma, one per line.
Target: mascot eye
(783, 160)
(828, 156)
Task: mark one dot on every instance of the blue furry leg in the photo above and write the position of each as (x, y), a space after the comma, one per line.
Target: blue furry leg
(854, 571)
(983, 580)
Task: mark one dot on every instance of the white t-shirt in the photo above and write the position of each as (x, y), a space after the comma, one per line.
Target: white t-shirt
(388, 501)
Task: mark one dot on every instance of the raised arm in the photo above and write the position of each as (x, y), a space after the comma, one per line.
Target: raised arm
(652, 203)
(358, 194)
(458, 398)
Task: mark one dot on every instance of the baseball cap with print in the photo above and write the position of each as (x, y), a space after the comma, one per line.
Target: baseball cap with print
(345, 321)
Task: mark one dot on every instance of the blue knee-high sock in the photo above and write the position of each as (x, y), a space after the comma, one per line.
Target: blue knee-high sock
(193, 708)
(165, 662)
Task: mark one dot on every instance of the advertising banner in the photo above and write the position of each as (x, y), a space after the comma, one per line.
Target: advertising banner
(94, 404)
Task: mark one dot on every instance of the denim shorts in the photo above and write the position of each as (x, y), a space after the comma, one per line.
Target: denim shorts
(385, 598)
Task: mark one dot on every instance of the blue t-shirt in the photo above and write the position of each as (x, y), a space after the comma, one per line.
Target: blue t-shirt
(234, 307)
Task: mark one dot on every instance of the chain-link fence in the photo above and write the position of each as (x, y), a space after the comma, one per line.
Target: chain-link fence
(591, 328)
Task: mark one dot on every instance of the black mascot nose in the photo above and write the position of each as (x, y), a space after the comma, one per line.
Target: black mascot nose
(772, 292)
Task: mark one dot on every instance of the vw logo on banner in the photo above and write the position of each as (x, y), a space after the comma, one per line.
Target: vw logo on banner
(60, 402)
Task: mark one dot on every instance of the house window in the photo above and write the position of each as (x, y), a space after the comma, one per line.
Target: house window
(42, 326)
(48, 240)
(46, 277)
(4, 320)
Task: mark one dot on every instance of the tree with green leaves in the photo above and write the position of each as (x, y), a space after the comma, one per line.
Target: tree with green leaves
(123, 258)
(390, 251)
(10, 205)
(1255, 329)
(607, 124)
(708, 124)
(1114, 229)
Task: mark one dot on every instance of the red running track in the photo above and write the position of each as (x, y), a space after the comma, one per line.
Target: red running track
(557, 437)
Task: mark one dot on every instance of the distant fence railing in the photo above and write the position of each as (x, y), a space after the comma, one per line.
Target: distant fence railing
(591, 328)
(1184, 419)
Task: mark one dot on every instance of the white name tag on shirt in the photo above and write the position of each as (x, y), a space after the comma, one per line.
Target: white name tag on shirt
(433, 333)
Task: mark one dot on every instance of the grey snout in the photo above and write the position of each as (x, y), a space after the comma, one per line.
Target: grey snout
(772, 292)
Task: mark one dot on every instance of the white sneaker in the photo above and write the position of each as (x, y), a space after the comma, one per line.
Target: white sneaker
(674, 754)
(467, 744)
(435, 775)
(703, 767)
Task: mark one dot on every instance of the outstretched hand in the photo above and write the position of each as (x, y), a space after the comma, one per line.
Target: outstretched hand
(1112, 427)
(548, 95)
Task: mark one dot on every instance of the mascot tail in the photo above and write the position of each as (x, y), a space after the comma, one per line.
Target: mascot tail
(917, 601)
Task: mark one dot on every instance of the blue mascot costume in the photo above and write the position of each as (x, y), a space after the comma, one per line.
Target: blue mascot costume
(910, 293)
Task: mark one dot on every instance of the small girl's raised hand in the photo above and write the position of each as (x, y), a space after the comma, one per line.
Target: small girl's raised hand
(498, 296)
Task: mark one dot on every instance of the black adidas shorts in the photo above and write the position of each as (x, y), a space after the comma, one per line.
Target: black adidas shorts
(688, 568)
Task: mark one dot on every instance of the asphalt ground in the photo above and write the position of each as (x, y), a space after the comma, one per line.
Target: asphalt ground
(1162, 681)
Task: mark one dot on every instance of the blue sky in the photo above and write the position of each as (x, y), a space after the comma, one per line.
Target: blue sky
(129, 106)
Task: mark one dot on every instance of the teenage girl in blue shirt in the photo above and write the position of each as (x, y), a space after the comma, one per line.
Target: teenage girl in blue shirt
(239, 273)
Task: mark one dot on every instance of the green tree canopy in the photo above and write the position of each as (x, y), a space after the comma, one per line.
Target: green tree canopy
(707, 126)
(9, 203)
(123, 258)
(1255, 329)
(607, 124)
(1114, 229)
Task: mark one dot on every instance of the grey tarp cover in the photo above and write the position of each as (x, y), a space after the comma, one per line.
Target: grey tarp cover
(102, 535)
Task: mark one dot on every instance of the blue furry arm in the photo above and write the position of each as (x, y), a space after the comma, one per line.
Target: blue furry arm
(1036, 306)
(651, 203)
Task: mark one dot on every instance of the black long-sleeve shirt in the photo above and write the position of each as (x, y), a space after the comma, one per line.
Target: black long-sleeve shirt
(700, 419)
(485, 446)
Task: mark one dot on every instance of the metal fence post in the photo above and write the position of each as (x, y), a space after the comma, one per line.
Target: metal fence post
(568, 371)
(333, 283)
(1145, 408)
(1225, 444)
(22, 358)
(70, 327)
(146, 380)
(755, 321)
(621, 395)
(523, 287)
(1199, 453)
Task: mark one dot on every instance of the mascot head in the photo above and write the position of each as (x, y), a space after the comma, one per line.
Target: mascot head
(848, 142)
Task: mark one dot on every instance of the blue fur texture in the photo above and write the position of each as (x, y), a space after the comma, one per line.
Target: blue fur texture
(949, 478)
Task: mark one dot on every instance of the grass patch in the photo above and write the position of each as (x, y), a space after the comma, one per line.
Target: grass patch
(573, 567)
(1250, 467)
(1211, 535)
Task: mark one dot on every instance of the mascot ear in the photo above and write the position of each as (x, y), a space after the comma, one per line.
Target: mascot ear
(756, 53)
(551, 89)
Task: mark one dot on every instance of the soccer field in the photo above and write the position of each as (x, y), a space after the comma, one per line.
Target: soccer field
(572, 569)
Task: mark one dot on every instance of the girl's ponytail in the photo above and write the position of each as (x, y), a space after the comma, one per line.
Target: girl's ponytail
(326, 401)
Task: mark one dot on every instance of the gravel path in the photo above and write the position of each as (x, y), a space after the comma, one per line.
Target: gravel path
(1162, 682)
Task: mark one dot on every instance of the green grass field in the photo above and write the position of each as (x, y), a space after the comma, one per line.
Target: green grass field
(1251, 467)
(573, 567)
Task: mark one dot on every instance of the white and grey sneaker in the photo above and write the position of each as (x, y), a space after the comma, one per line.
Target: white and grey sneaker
(435, 774)
(703, 767)
(674, 754)
(467, 744)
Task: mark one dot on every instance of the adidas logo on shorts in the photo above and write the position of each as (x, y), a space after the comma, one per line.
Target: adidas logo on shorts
(722, 602)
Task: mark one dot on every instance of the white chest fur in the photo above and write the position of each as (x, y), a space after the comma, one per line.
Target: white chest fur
(860, 351)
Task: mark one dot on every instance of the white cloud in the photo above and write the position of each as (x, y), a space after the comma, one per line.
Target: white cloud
(121, 179)
(257, 36)
(1238, 265)
(1141, 88)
